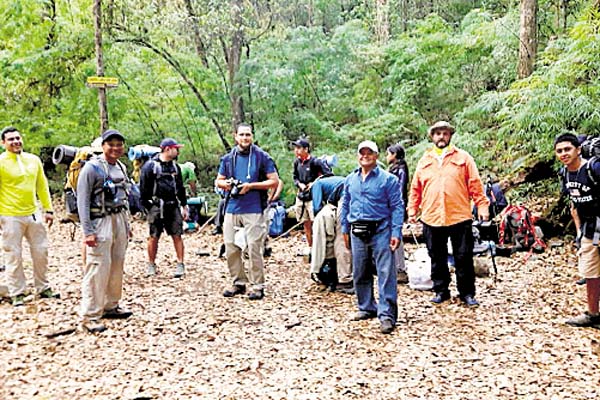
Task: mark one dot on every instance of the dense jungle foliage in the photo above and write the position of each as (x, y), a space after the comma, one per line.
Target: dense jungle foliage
(336, 71)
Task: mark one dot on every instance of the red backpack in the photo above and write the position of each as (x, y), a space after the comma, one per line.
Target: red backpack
(517, 230)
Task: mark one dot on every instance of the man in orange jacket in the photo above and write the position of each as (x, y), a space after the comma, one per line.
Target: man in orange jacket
(445, 181)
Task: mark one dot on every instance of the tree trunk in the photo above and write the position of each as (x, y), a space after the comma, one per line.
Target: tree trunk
(233, 64)
(382, 22)
(100, 65)
(200, 47)
(527, 38)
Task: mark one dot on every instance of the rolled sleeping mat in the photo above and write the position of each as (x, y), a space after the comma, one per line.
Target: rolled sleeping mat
(142, 150)
(64, 154)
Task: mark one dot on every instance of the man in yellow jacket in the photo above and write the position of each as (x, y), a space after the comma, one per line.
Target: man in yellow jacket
(22, 183)
(445, 181)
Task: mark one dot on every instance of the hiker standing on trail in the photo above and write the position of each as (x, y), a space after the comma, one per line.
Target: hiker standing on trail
(372, 215)
(446, 180)
(246, 173)
(580, 181)
(102, 208)
(163, 195)
(22, 183)
(396, 158)
(306, 170)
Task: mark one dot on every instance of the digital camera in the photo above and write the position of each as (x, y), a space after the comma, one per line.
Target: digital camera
(235, 187)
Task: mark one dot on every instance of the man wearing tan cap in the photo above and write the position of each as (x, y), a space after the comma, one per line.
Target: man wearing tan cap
(445, 181)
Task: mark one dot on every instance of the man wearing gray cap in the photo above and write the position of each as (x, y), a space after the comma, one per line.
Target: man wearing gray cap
(102, 206)
(445, 181)
(372, 215)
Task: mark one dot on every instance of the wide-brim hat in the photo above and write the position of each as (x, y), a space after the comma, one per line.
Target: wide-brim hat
(440, 125)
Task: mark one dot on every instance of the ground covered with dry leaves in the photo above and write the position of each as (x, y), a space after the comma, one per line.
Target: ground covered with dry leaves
(186, 341)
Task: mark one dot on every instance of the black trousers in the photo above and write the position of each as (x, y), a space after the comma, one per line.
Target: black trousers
(461, 237)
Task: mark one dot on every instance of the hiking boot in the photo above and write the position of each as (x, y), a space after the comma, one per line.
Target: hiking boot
(179, 270)
(470, 301)
(402, 278)
(441, 297)
(256, 294)
(216, 231)
(151, 270)
(346, 288)
(117, 313)
(18, 300)
(234, 290)
(267, 252)
(584, 320)
(386, 327)
(363, 315)
(49, 294)
(581, 281)
(92, 327)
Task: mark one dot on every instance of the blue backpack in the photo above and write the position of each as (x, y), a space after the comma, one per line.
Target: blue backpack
(277, 216)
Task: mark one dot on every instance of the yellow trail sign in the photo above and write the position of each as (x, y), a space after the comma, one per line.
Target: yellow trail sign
(102, 81)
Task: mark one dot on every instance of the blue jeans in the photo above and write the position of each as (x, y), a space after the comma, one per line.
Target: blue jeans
(366, 254)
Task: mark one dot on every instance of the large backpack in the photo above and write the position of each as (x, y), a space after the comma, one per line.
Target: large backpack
(84, 155)
(517, 230)
(277, 217)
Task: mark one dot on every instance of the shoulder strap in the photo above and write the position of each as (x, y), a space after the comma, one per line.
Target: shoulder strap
(590, 171)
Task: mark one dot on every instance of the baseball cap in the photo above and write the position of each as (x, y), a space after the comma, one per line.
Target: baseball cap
(110, 134)
(440, 125)
(169, 142)
(301, 143)
(368, 144)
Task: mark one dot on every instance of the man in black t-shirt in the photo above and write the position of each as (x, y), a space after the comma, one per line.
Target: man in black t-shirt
(580, 181)
(163, 195)
(306, 170)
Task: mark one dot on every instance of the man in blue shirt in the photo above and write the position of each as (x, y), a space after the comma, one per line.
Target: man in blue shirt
(372, 215)
(247, 173)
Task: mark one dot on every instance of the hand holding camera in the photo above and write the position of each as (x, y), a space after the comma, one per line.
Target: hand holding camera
(238, 188)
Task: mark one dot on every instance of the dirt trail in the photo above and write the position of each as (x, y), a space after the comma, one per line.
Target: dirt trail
(186, 341)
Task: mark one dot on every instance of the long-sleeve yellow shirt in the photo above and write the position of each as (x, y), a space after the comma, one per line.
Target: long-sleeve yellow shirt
(22, 182)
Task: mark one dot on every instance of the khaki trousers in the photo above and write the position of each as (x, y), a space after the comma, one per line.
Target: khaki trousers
(14, 229)
(328, 242)
(102, 284)
(255, 228)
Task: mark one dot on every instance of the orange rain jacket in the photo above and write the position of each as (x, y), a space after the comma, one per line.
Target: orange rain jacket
(443, 190)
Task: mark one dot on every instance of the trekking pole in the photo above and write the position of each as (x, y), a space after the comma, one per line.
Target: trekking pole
(492, 248)
(206, 223)
(288, 231)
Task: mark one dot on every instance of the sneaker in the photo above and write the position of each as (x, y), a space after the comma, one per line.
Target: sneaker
(402, 278)
(151, 270)
(179, 270)
(581, 281)
(363, 315)
(49, 294)
(256, 295)
(92, 327)
(584, 320)
(117, 313)
(18, 300)
(441, 297)
(267, 252)
(470, 301)
(216, 231)
(386, 327)
(234, 290)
